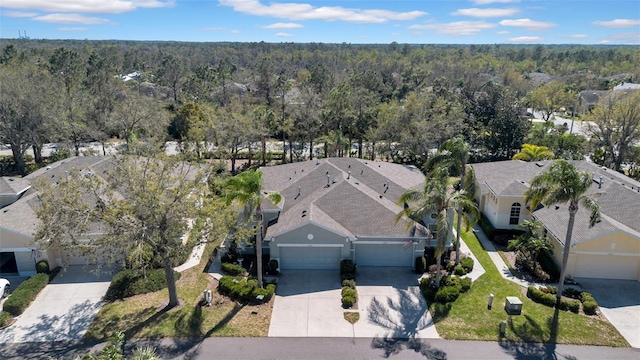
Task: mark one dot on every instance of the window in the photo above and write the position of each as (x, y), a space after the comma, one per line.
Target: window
(514, 217)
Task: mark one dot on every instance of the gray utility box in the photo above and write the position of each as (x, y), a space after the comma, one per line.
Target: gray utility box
(513, 305)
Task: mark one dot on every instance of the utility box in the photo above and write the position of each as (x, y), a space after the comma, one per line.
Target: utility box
(513, 305)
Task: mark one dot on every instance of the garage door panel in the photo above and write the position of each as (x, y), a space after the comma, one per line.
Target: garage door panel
(608, 267)
(314, 258)
(384, 255)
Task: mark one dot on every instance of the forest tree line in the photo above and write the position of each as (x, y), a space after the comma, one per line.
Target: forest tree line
(395, 101)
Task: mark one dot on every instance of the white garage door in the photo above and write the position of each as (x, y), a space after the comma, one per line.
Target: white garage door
(608, 267)
(314, 258)
(384, 255)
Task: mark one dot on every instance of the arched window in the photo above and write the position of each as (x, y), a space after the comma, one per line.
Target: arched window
(514, 217)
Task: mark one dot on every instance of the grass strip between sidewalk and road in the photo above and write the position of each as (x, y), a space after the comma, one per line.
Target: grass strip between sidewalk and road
(469, 319)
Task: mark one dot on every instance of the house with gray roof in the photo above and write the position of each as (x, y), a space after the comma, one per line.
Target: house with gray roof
(608, 250)
(19, 221)
(342, 208)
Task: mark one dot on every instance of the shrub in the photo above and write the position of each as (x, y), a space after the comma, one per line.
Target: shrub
(459, 270)
(129, 282)
(272, 266)
(467, 263)
(465, 284)
(589, 307)
(24, 294)
(348, 301)
(347, 267)
(233, 269)
(348, 291)
(548, 265)
(349, 283)
(420, 264)
(5, 317)
(541, 297)
(486, 226)
(571, 292)
(447, 294)
(450, 281)
(245, 290)
(585, 296)
(42, 267)
(348, 276)
(549, 289)
(573, 306)
(428, 289)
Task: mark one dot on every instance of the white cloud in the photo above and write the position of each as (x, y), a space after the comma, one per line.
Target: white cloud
(504, 32)
(213, 28)
(85, 6)
(456, 28)
(298, 11)
(579, 36)
(18, 14)
(486, 13)
(283, 26)
(527, 24)
(71, 19)
(618, 23)
(72, 29)
(283, 34)
(485, 2)
(526, 39)
(236, 31)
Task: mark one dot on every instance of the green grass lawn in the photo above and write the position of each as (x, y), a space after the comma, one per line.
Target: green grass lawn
(143, 315)
(469, 319)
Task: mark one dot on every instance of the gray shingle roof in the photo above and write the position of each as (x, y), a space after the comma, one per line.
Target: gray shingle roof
(354, 204)
(618, 196)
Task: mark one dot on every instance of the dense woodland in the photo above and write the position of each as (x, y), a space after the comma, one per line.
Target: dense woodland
(394, 102)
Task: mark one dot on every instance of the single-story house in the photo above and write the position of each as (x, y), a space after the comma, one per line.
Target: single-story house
(608, 250)
(342, 208)
(19, 222)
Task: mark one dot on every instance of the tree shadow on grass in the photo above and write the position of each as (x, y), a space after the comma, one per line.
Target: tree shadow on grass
(530, 343)
(403, 319)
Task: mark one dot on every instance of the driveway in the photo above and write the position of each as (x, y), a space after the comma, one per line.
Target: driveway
(619, 302)
(308, 304)
(63, 310)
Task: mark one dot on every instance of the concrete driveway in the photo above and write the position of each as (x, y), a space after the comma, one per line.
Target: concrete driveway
(63, 310)
(308, 304)
(619, 302)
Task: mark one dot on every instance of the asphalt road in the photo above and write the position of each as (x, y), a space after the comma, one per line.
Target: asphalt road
(329, 348)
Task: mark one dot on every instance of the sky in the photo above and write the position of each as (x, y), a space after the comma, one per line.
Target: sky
(336, 21)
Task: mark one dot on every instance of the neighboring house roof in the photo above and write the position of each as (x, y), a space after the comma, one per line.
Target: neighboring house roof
(13, 185)
(617, 194)
(349, 196)
(626, 86)
(21, 217)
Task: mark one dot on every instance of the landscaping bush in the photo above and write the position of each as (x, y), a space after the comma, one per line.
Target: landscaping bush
(590, 307)
(465, 284)
(347, 267)
(541, 297)
(349, 283)
(447, 294)
(272, 266)
(245, 290)
(571, 305)
(347, 276)
(5, 317)
(129, 282)
(348, 291)
(42, 267)
(24, 294)
(348, 301)
(486, 226)
(548, 265)
(571, 292)
(420, 264)
(467, 263)
(450, 281)
(549, 289)
(459, 270)
(428, 289)
(233, 269)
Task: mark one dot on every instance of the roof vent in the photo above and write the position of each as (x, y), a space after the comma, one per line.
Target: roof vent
(557, 207)
(317, 161)
(539, 164)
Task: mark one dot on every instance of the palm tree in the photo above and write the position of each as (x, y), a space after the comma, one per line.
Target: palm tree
(436, 197)
(530, 152)
(559, 184)
(454, 154)
(246, 190)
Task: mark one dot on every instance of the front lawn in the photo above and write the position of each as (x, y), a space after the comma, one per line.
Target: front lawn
(143, 315)
(469, 319)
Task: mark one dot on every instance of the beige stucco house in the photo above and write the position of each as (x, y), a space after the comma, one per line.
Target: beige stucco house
(609, 250)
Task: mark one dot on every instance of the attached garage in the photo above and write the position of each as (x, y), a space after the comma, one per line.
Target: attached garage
(607, 267)
(312, 257)
(384, 254)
